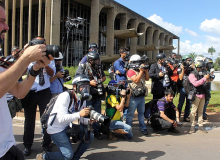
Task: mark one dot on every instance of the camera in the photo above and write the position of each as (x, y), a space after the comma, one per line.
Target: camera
(211, 76)
(99, 87)
(97, 116)
(66, 75)
(50, 49)
(116, 90)
(74, 22)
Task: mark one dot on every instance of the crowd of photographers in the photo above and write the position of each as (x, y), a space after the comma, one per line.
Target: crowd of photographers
(125, 93)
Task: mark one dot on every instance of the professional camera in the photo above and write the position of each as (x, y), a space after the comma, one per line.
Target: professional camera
(166, 76)
(50, 49)
(127, 57)
(73, 132)
(138, 64)
(97, 116)
(100, 87)
(116, 90)
(211, 76)
(74, 22)
(66, 75)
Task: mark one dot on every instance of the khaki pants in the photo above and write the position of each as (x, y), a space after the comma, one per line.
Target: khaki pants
(198, 103)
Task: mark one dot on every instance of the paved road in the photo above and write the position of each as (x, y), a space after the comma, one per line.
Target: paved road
(197, 146)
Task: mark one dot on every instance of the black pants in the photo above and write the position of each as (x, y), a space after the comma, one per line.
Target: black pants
(158, 96)
(13, 154)
(41, 99)
(161, 124)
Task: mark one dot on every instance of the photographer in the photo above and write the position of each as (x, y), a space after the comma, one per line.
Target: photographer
(157, 73)
(94, 71)
(56, 82)
(197, 79)
(64, 116)
(165, 115)
(186, 69)
(209, 69)
(39, 95)
(120, 70)
(9, 83)
(138, 76)
(114, 105)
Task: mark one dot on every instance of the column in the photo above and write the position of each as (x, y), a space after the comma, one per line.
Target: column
(21, 24)
(149, 41)
(161, 42)
(6, 35)
(94, 22)
(39, 18)
(47, 21)
(123, 26)
(170, 43)
(110, 32)
(142, 38)
(55, 22)
(13, 23)
(29, 20)
(156, 40)
(166, 44)
(133, 44)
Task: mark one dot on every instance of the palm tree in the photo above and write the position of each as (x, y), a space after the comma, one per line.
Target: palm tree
(211, 50)
(193, 55)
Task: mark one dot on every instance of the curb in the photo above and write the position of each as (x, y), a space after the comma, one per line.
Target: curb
(20, 121)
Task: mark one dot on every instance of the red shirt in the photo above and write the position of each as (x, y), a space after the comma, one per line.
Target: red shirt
(131, 73)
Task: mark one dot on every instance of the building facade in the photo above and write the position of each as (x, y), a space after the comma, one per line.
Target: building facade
(108, 23)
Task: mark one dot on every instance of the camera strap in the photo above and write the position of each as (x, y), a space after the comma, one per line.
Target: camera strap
(4, 64)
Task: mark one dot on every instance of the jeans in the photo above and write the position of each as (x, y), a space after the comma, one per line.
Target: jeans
(62, 141)
(96, 103)
(205, 106)
(182, 98)
(114, 125)
(125, 112)
(139, 103)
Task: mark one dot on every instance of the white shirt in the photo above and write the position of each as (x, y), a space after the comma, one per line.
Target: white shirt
(63, 117)
(36, 86)
(7, 139)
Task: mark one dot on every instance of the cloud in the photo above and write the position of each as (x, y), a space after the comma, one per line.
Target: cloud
(211, 26)
(192, 33)
(168, 26)
(212, 40)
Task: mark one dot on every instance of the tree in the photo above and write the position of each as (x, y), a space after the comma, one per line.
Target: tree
(211, 50)
(193, 55)
(200, 56)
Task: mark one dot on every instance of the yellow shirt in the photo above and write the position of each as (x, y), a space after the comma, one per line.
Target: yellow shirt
(111, 102)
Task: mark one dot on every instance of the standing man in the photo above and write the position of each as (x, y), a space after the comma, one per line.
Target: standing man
(156, 74)
(92, 47)
(9, 83)
(138, 76)
(94, 71)
(120, 71)
(39, 95)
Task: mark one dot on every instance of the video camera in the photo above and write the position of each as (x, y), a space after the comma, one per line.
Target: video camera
(138, 64)
(97, 116)
(74, 23)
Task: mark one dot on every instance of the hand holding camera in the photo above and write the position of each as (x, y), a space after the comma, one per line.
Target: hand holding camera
(207, 76)
(59, 74)
(93, 83)
(161, 74)
(43, 62)
(84, 112)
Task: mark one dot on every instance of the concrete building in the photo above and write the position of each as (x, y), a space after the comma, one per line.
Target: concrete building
(108, 23)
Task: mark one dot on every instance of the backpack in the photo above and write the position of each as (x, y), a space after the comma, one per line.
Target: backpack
(149, 106)
(111, 71)
(187, 85)
(45, 117)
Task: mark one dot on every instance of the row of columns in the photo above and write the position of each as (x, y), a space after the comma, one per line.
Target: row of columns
(52, 22)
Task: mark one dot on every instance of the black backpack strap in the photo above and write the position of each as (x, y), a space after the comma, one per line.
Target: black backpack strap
(55, 115)
(71, 94)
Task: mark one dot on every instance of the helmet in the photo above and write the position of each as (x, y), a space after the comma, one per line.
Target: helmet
(199, 64)
(93, 45)
(199, 59)
(60, 56)
(208, 63)
(135, 57)
(171, 54)
(112, 82)
(186, 57)
(93, 55)
(82, 83)
(160, 56)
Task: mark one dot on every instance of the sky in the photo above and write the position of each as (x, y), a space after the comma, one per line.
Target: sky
(196, 22)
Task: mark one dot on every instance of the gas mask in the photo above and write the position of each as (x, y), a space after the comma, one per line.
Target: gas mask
(83, 92)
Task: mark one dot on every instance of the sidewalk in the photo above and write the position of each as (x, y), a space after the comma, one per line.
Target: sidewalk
(214, 119)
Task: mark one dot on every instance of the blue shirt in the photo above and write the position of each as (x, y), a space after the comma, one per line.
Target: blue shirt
(84, 60)
(36, 86)
(56, 86)
(163, 105)
(119, 65)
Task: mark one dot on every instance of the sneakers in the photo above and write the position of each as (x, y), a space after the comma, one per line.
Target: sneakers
(186, 120)
(27, 151)
(173, 130)
(156, 131)
(144, 131)
(40, 156)
(98, 136)
(202, 129)
(111, 136)
(205, 118)
(192, 129)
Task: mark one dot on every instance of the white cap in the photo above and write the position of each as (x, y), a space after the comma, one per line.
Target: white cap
(135, 57)
(60, 56)
(212, 70)
(199, 59)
